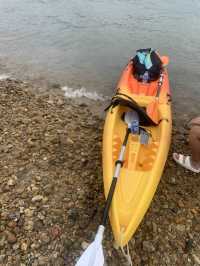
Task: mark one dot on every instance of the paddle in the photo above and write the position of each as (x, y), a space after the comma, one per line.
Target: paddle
(93, 255)
(152, 108)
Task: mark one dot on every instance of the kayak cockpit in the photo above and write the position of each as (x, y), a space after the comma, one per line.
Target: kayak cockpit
(138, 156)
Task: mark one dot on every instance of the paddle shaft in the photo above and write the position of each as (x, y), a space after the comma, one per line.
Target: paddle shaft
(119, 163)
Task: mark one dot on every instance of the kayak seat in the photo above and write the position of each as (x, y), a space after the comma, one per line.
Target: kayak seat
(118, 99)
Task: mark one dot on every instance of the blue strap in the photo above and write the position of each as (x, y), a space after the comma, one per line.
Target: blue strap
(141, 56)
(145, 59)
(148, 64)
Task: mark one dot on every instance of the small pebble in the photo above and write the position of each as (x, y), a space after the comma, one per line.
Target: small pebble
(11, 238)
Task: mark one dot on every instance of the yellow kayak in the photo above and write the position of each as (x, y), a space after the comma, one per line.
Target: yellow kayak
(143, 162)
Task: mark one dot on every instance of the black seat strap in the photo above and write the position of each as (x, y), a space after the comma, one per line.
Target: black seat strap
(145, 120)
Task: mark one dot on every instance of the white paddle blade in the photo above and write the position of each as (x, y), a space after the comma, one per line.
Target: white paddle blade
(93, 255)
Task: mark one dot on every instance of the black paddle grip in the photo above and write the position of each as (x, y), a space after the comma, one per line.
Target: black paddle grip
(128, 131)
(108, 201)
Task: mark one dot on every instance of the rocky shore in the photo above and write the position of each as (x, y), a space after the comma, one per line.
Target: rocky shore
(51, 190)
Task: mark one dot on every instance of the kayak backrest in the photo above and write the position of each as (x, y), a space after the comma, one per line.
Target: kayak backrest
(145, 120)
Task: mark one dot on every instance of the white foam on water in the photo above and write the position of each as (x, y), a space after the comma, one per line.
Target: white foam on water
(4, 76)
(82, 92)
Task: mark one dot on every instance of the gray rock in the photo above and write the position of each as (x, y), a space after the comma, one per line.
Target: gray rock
(2, 241)
(181, 227)
(11, 238)
(155, 227)
(148, 246)
(44, 238)
(15, 216)
(2, 257)
(196, 259)
(172, 181)
(28, 212)
(38, 178)
(28, 225)
(43, 260)
(37, 198)
(84, 245)
(11, 182)
(16, 246)
(24, 246)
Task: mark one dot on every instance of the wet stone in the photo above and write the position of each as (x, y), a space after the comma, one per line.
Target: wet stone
(43, 260)
(196, 259)
(181, 227)
(29, 225)
(37, 198)
(16, 246)
(84, 245)
(55, 231)
(28, 212)
(2, 240)
(12, 224)
(44, 238)
(73, 214)
(11, 238)
(148, 246)
(2, 258)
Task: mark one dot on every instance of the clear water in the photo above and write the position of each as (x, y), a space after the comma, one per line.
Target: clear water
(86, 43)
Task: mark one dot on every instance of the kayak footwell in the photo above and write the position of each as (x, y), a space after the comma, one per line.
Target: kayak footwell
(137, 157)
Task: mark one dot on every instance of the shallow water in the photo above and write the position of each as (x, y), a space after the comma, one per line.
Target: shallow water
(86, 43)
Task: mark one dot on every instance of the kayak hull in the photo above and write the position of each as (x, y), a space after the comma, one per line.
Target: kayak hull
(143, 163)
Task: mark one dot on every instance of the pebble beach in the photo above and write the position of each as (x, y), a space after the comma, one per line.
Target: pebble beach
(51, 187)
